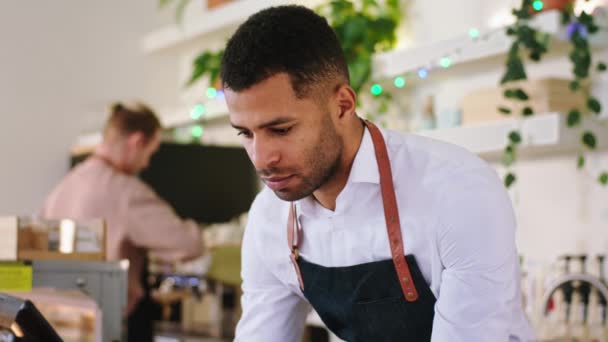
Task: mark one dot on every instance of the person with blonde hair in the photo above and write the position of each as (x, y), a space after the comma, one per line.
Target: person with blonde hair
(105, 186)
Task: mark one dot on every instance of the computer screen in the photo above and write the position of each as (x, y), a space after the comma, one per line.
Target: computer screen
(208, 184)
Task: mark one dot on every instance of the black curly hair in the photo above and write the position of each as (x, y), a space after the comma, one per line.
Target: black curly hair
(291, 39)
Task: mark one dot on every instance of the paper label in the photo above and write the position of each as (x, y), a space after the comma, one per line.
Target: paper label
(8, 238)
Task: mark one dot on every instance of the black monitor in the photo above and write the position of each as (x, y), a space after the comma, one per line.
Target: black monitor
(208, 184)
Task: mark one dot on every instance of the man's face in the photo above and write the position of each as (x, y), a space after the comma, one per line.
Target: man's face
(292, 142)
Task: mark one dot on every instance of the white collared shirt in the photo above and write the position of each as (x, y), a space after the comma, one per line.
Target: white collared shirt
(456, 218)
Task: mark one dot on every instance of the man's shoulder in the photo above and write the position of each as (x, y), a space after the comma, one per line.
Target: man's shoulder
(432, 162)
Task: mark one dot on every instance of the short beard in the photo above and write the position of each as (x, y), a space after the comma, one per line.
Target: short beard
(324, 160)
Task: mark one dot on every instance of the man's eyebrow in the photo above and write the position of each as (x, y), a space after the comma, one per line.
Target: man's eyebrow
(274, 122)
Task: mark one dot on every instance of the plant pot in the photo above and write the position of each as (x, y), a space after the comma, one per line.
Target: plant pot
(215, 3)
(549, 5)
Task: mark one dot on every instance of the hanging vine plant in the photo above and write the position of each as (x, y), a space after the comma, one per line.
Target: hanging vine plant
(363, 27)
(527, 41)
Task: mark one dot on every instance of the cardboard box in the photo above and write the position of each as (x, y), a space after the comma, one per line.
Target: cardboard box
(545, 96)
(28, 238)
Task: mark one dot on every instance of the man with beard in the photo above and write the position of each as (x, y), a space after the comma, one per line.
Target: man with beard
(388, 237)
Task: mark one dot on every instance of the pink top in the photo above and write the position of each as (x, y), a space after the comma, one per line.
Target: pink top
(137, 219)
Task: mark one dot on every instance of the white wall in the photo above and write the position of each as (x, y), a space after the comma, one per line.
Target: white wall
(61, 63)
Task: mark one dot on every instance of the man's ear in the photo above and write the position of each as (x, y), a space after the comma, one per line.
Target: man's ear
(347, 101)
(136, 139)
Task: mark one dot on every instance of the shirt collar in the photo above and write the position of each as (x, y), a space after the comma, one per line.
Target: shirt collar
(365, 166)
(363, 170)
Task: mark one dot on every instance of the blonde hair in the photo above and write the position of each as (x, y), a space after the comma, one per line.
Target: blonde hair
(137, 117)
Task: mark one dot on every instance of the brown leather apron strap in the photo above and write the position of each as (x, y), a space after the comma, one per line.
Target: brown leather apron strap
(391, 214)
(294, 235)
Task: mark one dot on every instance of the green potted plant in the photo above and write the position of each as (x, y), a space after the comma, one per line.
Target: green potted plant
(534, 44)
(364, 27)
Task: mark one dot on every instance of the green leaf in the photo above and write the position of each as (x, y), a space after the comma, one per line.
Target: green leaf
(594, 105)
(574, 118)
(509, 93)
(527, 111)
(504, 110)
(581, 162)
(603, 178)
(509, 156)
(521, 95)
(601, 66)
(575, 85)
(515, 137)
(535, 56)
(589, 140)
(510, 179)
(515, 66)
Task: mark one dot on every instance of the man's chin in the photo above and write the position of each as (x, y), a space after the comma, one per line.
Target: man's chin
(289, 195)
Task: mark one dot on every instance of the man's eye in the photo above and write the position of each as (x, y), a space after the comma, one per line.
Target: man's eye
(245, 134)
(281, 131)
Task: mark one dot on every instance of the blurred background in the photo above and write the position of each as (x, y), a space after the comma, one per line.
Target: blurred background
(521, 83)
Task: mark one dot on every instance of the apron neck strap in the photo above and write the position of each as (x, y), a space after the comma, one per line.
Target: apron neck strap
(391, 216)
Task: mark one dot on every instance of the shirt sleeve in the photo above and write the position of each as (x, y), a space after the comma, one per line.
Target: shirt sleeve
(271, 310)
(480, 281)
(154, 225)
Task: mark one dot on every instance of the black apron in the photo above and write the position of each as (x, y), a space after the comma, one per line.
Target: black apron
(386, 300)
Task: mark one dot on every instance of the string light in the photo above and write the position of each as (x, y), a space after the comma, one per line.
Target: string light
(423, 73)
(537, 5)
(376, 89)
(211, 93)
(399, 82)
(473, 33)
(197, 131)
(445, 62)
(197, 112)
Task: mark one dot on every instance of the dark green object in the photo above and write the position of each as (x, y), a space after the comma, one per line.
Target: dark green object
(580, 162)
(603, 179)
(510, 178)
(594, 105)
(504, 110)
(589, 140)
(515, 137)
(527, 111)
(574, 118)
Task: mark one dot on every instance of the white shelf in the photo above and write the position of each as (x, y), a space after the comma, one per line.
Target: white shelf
(401, 61)
(176, 117)
(204, 23)
(541, 134)
(491, 43)
(214, 109)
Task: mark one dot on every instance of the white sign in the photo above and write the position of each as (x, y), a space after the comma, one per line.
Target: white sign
(8, 238)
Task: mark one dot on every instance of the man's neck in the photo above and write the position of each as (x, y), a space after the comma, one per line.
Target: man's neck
(104, 153)
(327, 194)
